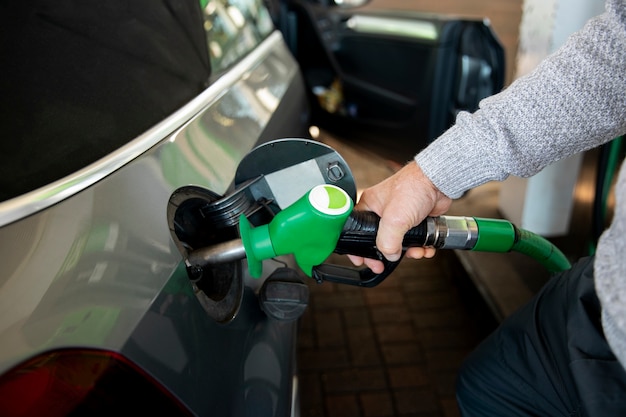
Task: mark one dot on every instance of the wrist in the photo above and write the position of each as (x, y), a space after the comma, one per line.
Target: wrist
(440, 201)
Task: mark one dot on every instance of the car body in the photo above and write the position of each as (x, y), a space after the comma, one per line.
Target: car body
(88, 262)
(109, 108)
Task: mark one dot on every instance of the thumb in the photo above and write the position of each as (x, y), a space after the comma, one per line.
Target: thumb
(391, 232)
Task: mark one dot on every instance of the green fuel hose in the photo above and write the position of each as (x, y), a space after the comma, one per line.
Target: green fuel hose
(541, 250)
(495, 235)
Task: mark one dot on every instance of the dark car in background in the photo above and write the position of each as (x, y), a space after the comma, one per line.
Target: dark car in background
(125, 126)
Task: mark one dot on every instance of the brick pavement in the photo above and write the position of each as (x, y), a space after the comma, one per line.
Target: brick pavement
(391, 350)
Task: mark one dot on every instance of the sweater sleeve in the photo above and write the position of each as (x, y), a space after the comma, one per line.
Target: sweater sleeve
(573, 101)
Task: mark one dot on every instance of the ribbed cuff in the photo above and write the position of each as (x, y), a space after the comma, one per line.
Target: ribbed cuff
(455, 163)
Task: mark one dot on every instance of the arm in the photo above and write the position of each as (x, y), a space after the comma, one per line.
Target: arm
(574, 101)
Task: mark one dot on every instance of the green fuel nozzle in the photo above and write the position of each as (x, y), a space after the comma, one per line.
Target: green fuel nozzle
(308, 229)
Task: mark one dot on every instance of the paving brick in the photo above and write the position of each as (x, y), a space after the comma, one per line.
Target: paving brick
(396, 332)
(358, 316)
(411, 270)
(427, 283)
(322, 359)
(364, 349)
(343, 406)
(311, 398)
(394, 280)
(379, 297)
(306, 340)
(390, 313)
(415, 270)
(433, 338)
(355, 379)
(445, 359)
(329, 329)
(306, 320)
(366, 354)
(408, 376)
(402, 353)
(417, 301)
(360, 334)
(444, 382)
(334, 300)
(454, 317)
(377, 404)
(323, 288)
(409, 401)
(450, 407)
(352, 288)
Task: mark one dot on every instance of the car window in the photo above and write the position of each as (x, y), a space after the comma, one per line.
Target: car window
(233, 28)
(82, 78)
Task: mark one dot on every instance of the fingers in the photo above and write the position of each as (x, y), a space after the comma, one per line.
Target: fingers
(413, 253)
(375, 265)
(356, 260)
(378, 267)
(419, 253)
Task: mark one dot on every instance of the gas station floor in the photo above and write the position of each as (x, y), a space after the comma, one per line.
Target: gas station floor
(395, 349)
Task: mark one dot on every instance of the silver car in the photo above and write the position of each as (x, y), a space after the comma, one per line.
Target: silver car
(128, 131)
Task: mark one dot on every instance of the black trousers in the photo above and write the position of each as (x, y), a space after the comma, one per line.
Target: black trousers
(549, 358)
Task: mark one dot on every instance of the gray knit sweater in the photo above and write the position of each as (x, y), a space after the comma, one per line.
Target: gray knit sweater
(575, 100)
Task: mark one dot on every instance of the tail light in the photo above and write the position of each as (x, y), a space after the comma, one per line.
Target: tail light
(77, 382)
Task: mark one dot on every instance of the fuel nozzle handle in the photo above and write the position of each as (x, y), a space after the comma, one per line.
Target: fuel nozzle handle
(358, 236)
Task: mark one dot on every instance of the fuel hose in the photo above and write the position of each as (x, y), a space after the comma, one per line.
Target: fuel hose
(497, 235)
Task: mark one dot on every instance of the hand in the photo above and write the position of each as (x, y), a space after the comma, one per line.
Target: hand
(402, 201)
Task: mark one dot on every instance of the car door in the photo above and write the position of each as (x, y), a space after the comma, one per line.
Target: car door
(400, 75)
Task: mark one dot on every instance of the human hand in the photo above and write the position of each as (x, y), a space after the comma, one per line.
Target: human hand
(402, 201)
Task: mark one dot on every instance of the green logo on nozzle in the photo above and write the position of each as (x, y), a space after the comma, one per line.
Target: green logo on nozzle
(308, 229)
(330, 199)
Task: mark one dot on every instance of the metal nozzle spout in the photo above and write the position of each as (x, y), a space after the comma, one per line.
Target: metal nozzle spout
(224, 252)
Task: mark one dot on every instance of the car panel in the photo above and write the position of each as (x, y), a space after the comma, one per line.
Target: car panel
(92, 262)
(243, 368)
